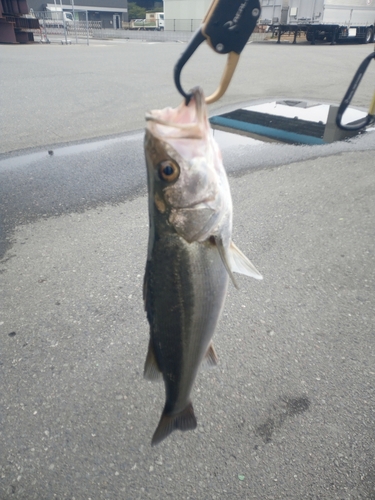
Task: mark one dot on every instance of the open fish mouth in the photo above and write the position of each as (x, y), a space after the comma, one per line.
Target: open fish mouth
(187, 121)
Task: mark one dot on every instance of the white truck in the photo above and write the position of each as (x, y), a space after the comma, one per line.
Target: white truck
(55, 17)
(154, 21)
(326, 20)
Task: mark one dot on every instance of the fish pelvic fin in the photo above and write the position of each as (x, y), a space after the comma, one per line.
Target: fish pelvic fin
(183, 421)
(210, 360)
(239, 263)
(151, 369)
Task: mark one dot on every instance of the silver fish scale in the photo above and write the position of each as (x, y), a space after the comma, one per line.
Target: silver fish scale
(186, 285)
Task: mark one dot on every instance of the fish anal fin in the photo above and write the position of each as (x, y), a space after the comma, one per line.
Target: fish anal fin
(183, 421)
(239, 263)
(151, 369)
(210, 358)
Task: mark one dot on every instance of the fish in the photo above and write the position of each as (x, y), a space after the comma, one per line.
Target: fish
(190, 256)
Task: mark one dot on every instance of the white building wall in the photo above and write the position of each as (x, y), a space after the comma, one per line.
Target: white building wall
(359, 12)
(186, 9)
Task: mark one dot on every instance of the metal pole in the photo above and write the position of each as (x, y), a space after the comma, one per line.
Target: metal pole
(87, 26)
(273, 11)
(74, 21)
(62, 13)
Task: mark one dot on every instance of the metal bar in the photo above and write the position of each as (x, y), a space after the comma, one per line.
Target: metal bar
(62, 13)
(74, 21)
(87, 26)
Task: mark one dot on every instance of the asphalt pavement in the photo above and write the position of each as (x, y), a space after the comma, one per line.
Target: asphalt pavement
(289, 412)
(56, 94)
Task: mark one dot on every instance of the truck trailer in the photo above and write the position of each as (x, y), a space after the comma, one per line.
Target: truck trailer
(274, 12)
(325, 20)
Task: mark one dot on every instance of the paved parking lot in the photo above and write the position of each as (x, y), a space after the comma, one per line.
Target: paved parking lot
(54, 94)
(289, 412)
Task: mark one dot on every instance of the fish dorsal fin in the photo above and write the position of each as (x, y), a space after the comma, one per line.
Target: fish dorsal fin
(239, 263)
(151, 369)
(184, 421)
(210, 360)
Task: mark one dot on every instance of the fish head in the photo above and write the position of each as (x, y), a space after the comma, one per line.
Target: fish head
(187, 181)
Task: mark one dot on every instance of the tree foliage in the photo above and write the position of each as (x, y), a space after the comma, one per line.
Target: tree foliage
(136, 12)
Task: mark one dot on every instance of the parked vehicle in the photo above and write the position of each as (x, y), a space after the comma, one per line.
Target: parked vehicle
(325, 20)
(154, 21)
(274, 12)
(55, 17)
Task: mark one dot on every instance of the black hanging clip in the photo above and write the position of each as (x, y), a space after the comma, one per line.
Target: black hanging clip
(226, 27)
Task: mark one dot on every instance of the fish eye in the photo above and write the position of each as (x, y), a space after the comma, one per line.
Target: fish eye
(168, 170)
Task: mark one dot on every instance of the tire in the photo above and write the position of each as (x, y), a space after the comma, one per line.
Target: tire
(368, 36)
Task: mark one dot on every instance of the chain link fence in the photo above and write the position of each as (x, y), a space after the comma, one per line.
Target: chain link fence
(61, 27)
(182, 24)
(176, 30)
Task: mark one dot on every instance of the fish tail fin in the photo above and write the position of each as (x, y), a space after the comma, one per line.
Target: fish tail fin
(184, 421)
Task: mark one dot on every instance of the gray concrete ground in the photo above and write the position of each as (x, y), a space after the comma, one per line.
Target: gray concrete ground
(289, 413)
(53, 94)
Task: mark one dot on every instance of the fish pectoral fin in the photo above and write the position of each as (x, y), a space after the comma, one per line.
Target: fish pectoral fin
(239, 263)
(151, 369)
(235, 261)
(225, 258)
(184, 421)
(210, 358)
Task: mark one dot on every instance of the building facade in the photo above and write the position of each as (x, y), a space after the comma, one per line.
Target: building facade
(186, 9)
(184, 14)
(111, 13)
